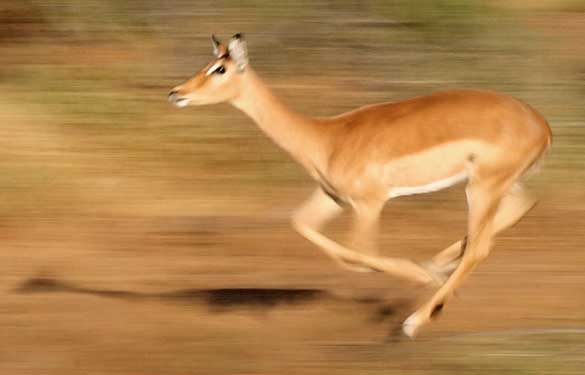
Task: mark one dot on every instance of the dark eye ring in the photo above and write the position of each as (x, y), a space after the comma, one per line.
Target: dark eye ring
(220, 70)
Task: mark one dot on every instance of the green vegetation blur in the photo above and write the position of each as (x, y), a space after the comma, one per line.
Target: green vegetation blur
(83, 108)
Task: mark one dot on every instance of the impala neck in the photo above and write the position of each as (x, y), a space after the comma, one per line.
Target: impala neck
(297, 134)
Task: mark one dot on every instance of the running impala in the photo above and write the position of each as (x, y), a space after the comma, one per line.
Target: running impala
(363, 158)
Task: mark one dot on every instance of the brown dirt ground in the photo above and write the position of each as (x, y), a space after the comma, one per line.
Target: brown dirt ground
(243, 294)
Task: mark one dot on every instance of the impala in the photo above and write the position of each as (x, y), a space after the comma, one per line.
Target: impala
(363, 158)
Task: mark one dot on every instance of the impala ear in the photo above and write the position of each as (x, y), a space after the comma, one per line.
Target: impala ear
(216, 45)
(238, 51)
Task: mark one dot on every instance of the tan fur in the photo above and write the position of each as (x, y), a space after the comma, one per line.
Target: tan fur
(365, 156)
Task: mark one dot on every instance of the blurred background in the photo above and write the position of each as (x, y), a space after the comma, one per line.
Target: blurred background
(129, 227)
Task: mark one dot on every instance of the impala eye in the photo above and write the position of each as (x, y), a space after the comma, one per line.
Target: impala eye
(220, 70)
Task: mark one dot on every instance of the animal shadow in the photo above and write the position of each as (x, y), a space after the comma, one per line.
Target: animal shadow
(222, 299)
(378, 311)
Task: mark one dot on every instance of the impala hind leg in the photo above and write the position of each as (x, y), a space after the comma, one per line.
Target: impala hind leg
(483, 197)
(514, 205)
(320, 208)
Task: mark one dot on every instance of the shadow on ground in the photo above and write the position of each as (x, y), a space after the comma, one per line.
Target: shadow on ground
(227, 299)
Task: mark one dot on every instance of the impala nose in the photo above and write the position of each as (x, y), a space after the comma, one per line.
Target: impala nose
(177, 98)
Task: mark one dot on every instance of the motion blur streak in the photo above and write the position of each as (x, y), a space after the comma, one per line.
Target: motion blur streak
(142, 239)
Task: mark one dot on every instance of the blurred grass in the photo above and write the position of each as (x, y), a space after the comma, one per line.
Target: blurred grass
(108, 64)
(539, 353)
(89, 80)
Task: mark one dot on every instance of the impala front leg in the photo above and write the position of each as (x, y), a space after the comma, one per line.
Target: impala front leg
(314, 214)
(364, 234)
(319, 209)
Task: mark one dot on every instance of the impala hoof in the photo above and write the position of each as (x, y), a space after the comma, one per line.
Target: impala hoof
(409, 328)
(412, 324)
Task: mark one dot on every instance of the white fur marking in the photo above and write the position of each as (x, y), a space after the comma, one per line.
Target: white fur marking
(213, 67)
(433, 186)
(183, 102)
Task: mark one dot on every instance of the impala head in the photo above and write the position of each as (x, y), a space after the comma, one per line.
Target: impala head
(220, 80)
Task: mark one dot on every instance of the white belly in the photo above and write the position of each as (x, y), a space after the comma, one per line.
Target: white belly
(433, 186)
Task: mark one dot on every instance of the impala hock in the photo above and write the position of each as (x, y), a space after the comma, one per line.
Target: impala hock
(364, 157)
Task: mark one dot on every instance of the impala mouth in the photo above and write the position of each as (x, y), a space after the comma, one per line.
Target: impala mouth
(178, 101)
(181, 102)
